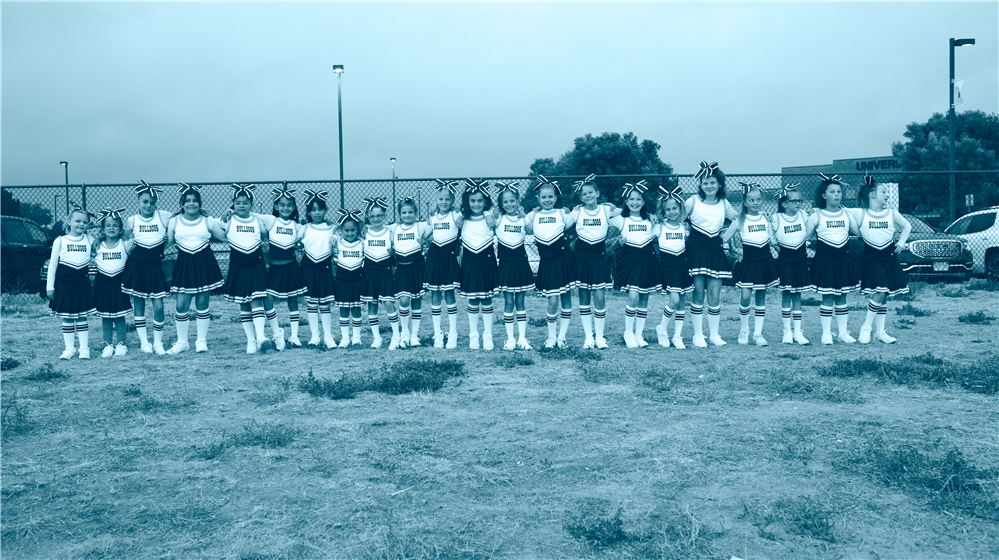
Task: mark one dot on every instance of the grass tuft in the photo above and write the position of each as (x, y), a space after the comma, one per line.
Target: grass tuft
(660, 379)
(405, 376)
(14, 419)
(132, 390)
(211, 451)
(912, 311)
(513, 360)
(345, 387)
(977, 318)
(537, 322)
(982, 284)
(570, 353)
(8, 363)
(978, 377)
(952, 290)
(47, 373)
(804, 517)
(595, 526)
(266, 435)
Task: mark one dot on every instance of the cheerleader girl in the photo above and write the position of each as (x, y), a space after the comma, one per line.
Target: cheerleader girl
(348, 252)
(639, 272)
(246, 281)
(478, 261)
(442, 262)
(410, 268)
(143, 276)
(67, 284)
(758, 271)
(197, 272)
(514, 272)
(317, 242)
(592, 273)
(881, 274)
(377, 283)
(673, 268)
(790, 226)
(832, 268)
(111, 303)
(284, 276)
(707, 213)
(556, 274)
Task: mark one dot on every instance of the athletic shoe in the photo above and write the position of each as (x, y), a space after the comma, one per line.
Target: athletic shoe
(439, 340)
(800, 338)
(146, 348)
(108, 351)
(845, 337)
(487, 342)
(330, 343)
(678, 343)
(355, 340)
(67, 353)
(121, 349)
(550, 343)
(788, 338)
(629, 340)
(716, 340)
(698, 340)
(865, 335)
(314, 341)
(178, 347)
(473, 341)
(279, 340)
(452, 340)
(251, 346)
(394, 343)
(294, 341)
(560, 342)
(641, 341)
(827, 338)
(600, 342)
(884, 337)
(344, 342)
(759, 340)
(744, 337)
(588, 343)
(511, 344)
(200, 345)
(663, 336)
(84, 353)
(523, 344)
(158, 349)
(414, 341)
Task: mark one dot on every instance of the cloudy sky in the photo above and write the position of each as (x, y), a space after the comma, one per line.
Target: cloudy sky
(245, 91)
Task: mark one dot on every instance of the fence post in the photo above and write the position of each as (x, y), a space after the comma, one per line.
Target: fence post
(83, 196)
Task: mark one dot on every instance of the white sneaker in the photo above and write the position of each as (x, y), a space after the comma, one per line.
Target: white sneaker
(487, 342)
(511, 344)
(158, 349)
(294, 341)
(414, 340)
(404, 337)
(178, 347)
(827, 338)
(560, 342)
(744, 337)
(550, 343)
(146, 348)
(600, 342)
(394, 343)
(279, 340)
(315, 340)
(523, 344)
(199, 345)
(845, 337)
(884, 337)
(629, 340)
(473, 340)
(251, 346)
(84, 353)
(678, 342)
(759, 340)
(641, 341)
(355, 340)
(716, 340)
(663, 336)
(67, 353)
(588, 343)
(788, 338)
(330, 343)
(121, 349)
(452, 341)
(376, 342)
(865, 335)
(698, 340)
(800, 338)
(344, 342)
(108, 351)
(439, 340)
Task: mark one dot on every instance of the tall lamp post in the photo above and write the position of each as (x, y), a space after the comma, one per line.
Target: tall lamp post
(338, 70)
(65, 166)
(953, 121)
(393, 188)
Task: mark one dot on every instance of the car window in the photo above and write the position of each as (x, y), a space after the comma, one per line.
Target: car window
(960, 226)
(981, 222)
(919, 226)
(36, 234)
(13, 232)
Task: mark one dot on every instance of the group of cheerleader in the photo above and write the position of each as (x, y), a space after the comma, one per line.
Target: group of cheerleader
(352, 260)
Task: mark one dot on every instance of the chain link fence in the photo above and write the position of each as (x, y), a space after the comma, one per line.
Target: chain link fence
(33, 215)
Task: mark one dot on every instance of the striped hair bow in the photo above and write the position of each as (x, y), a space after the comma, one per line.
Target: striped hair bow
(146, 187)
(284, 191)
(542, 181)
(378, 201)
(406, 199)
(472, 187)
(869, 181)
(344, 215)
(311, 195)
(449, 185)
(640, 186)
(746, 187)
(246, 190)
(184, 188)
(77, 208)
(706, 170)
(676, 194)
(511, 186)
(782, 192)
(833, 179)
(579, 184)
(112, 212)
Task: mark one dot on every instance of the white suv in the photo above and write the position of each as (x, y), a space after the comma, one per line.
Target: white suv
(981, 234)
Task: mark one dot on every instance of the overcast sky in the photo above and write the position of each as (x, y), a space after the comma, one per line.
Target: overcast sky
(245, 91)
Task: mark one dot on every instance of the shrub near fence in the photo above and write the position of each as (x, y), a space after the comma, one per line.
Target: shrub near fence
(931, 209)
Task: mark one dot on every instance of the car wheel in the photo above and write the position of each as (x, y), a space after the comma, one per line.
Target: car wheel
(992, 266)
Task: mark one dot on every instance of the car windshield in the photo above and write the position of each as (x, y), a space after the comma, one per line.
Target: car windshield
(919, 226)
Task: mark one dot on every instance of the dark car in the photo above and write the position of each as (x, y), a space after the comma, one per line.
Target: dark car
(932, 254)
(24, 246)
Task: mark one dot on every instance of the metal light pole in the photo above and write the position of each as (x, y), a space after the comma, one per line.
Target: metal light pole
(953, 122)
(65, 166)
(393, 188)
(338, 70)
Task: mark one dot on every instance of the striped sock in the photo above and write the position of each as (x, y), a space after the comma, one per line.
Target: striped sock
(872, 311)
(667, 315)
(180, 320)
(259, 321)
(356, 323)
(373, 324)
(629, 318)
(882, 315)
(522, 324)
(140, 329)
(312, 312)
(435, 313)
(293, 318)
(566, 317)
(640, 316)
(697, 318)
(796, 319)
(487, 320)
(587, 319)
(678, 323)
(414, 323)
(83, 333)
(825, 317)
(404, 320)
(203, 319)
(758, 318)
(157, 332)
(508, 323)
(452, 317)
(69, 334)
(272, 321)
(842, 318)
(246, 319)
(785, 316)
(714, 315)
(743, 317)
(393, 318)
(473, 320)
(599, 320)
(326, 319)
(345, 327)
(552, 325)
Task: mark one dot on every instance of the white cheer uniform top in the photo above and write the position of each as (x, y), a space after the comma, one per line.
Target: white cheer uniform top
(406, 242)
(638, 237)
(350, 256)
(755, 231)
(148, 233)
(592, 227)
(73, 252)
(510, 232)
(790, 233)
(195, 236)
(708, 219)
(282, 235)
(549, 232)
(377, 248)
(833, 229)
(244, 236)
(110, 261)
(445, 230)
(672, 240)
(476, 235)
(878, 230)
(317, 241)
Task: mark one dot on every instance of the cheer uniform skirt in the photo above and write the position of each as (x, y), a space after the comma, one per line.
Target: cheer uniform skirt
(318, 279)
(832, 270)
(143, 276)
(73, 298)
(674, 273)
(881, 272)
(377, 283)
(442, 272)
(347, 292)
(556, 274)
(592, 272)
(478, 275)
(514, 271)
(706, 256)
(109, 300)
(409, 278)
(792, 271)
(758, 270)
(247, 277)
(196, 273)
(286, 280)
(638, 271)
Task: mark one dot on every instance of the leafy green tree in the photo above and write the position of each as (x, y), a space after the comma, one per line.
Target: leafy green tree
(927, 148)
(9, 206)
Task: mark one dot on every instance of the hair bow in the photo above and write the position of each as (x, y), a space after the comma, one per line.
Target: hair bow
(284, 191)
(406, 199)
(511, 186)
(77, 207)
(343, 215)
(640, 186)
(782, 192)
(185, 188)
(378, 201)
(706, 170)
(112, 212)
(869, 181)
(473, 187)
(449, 185)
(676, 194)
(746, 187)
(833, 179)
(146, 187)
(311, 195)
(579, 184)
(542, 180)
(238, 189)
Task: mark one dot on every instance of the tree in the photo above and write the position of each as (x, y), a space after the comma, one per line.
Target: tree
(36, 213)
(9, 206)
(927, 148)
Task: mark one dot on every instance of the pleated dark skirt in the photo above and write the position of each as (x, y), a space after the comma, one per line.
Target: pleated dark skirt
(442, 274)
(73, 298)
(592, 274)
(478, 275)
(409, 279)
(109, 300)
(143, 275)
(286, 281)
(196, 273)
(246, 279)
(832, 271)
(642, 276)
(706, 256)
(881, 272)
(377, 284)
(674, 273)
(514, 276)
(758, 270)
(319, 279)
(792, 271)
(556, 275)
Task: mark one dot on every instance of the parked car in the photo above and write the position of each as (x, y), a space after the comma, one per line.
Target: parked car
(931, 254)
(981, 234)
(24, 246)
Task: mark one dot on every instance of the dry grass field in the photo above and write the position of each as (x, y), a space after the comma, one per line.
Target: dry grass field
(847, 451)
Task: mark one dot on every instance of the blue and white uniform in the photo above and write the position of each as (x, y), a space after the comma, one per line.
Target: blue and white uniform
(196, 270)
(349, 270)
(590, 250)
(377, 282)
(704, 246)
(833, 271)
(674, 270)
(317, 244)
(556, 271)
(880, 270)
(442, 257)
(514, 271)
(143, 275)
(792, 260)
(109, 264)
(284, 275)
(410, 265)
(758, 270)
(478, 259)
(246, 279)
(637, 267)
(69, 264)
